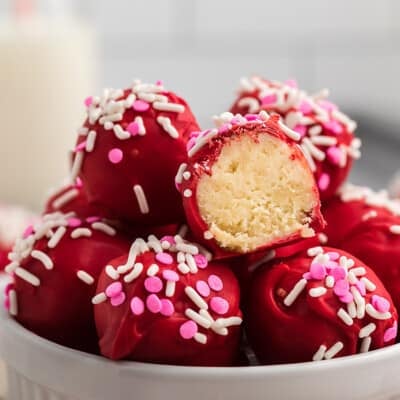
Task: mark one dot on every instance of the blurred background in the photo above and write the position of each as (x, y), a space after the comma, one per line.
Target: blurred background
(54, 53)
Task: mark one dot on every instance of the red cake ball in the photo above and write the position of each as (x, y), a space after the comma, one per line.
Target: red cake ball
(247, 186)
(55, 267)
(128, 152)
(165, 302)
(321, 304)
(354, 205)
(327, 137)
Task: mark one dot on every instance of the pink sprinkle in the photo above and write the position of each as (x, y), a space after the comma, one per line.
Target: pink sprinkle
(153, 284)
(80, 146)
(90, 220)
(324, 181)
(164, 258)
(341, 287)
(334, 155)
(133, 128)
(118, 299)
(339, 273)
(390, 333)
(8, 287)
(201, 261)
(78, 182)
(115, 155)
(331, 264)
(28, 231)
(188, 329)
(360, 285)
(223, 128)
(307, 276)
(167, 308)
(140, 105)
(114, 289)
(380, 303)
(317, 271)
(252, 117)
(334, 126)
(169, 239)
(215, 283)
(170, 275)
(137, 306)
(291, 83)
(219, 305)
(333, 255)
(159, 83)
(267, 100)
(327, 105)
(347, 298)
(301, 129)
(74, 222)
(203, 288)
(191, 142)
(88, 101)
(305, 107)
(153, 303)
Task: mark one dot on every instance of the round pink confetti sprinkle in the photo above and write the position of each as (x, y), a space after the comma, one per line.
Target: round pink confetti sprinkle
(360, 285)
(115, 155)
(215, 283)
(201, 261)
(334, 155)
(380, 303)
(219, 305)
(305, 107)
(301, 129)
(74, 222)
(170, 275)
(80, 146)
(137, 306)
(140, 105)
(133, 128)
(331, 264)
(90, 220)
(188, 329)
(317, 271)
(167, 308)
(390, 333)
(28, 231)
(153, 284)
(203, 288)
(270, 99)
(168, 238)
(339, 273)
(341, 287)
(324, 181)
(88, 101)
(118, 300)
(153, 303)
(164, 258)
(346, 298)
(114, 289)
(252, 117)
(333, 255)
(333, 126)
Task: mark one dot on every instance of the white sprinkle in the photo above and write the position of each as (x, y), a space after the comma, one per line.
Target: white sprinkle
(43, 258)
(196, 298)
(314, 151)
(187, 193)
(200, 338)
(65, 198)
(27, 276)
(180, 257)
(12, 296)
(351, 278)
(187, 248)
(315, 130)
(200, 142)
(373, 313)
(112, 272)
(351, 309)
(295, 292)
(317, 291)
(368, 215)
(168, 127)
(289, 132)
(314, 251)
(10, 268)
(173, 107)
(179, 174)
(120, 133)
(332, 351)
(204, 313)
(186, 175)
(268, 257)
(191, 263)
(142, 129)
(90, 142)
(208, 235)
(359, 271)
(196, 317)
(395, 229)
(152, 270)
(107, 229)
(365, 344)
(183, 268)
(323, 238)
(251, 103)
(141, 199)
(85, 277)
(136, 271)
(76, 166)
(58, 235)
(227, 322)
(323, 140)
(329, 281)
(99, 298)
(142, 245)
(130, 100)
(81, 232)
(366, 330)
(170, 288)
(319, 354)
(345, 317)
(154, 244)
(368, 284)
(111, 118)
(360, 302)
(308, 157)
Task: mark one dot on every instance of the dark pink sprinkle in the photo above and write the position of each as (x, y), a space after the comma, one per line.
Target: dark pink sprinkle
(137, 306)
(360, 285)
(341, 287)
(115, 155)
(74, 222)
(153, 284)
(223, 128)
(170, 275)
(168, 238)
(201, 261)
(327, 105)
(235, 120)
(334, 126)
(307, 276)
(301, 129)
(28, 231)
(334, 155)
(324, 181)
(203, 288)
(305, 107)
(390, 333)
(118, 299)
(252, 117)
(215, 283)
(219, 305)
(164, 258)
(267, 100)
(167, 308)
(80, 146)
(140, 105)
(153, 303)
(346, 298)
(339, 273)
(114, 289)
(6, 303)
(90, 220)
(317, 271)
(333, 255)
(291, 83)
(188, 329)
(88, 101)
(133, 128)
(380, 303)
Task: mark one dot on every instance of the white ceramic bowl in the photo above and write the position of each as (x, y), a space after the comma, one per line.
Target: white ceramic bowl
(41, 370)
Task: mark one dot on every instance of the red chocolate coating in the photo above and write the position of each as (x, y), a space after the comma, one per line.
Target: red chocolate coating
(304, 114)
(149, 324)
(201, 162)
(59, 308)
(145, 161)
(294, 332)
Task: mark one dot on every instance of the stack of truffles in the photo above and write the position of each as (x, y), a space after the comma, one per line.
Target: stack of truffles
(176, 245)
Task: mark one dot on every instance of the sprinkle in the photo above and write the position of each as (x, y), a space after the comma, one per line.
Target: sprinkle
(319, 354)
(368, 284)
(380, 303)
(153, 303)
(372, 312)
(196, 299)
(167, 308)
(140, 105)
(90, 142)
(112, 272)
(208, 235)
(352, 278)
(329, 281)
(168, 127)
(115, 155)
(141, 199)
(170, 288)
(43, 258)
(76, 166)
(360, 303)
(313, 150)
(215, 283)
(334, 155)
(187, 248)
(201, 261)
(317, 271)
(55, 239)
(200, 338)
(137, 306)
(152, 270)
(203, 288)
(314, 251)
(153, 284)
(27, 276)
(368, 215)
(12, 296)
(164, 258)
(251, 103)
(323, 140)
(351, 309)
(341, 287)
(324, 181)
(333, 351)
(118, 299)
(289, 132)
(85, 277)
(345, 317)
(323, 238)
(365, 344)
(187, 193)
(170, 275)
(188, 329)
(295, 292)
(65, 198)
(120, 133)
(179, 174)
(136, 271)
(81, 232)
(141, 128)
(395, 229)
(196, 317)
(133, 128)
(317, 291)
(367, 330)
(182, 267)
(113, 289)
(226, 322)
(219, 305)
(389, 334)
(173, 107)
(99, 298)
